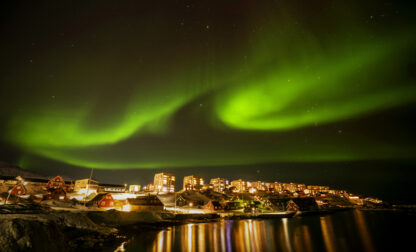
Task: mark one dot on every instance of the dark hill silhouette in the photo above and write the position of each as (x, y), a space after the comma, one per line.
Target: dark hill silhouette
(13, 170)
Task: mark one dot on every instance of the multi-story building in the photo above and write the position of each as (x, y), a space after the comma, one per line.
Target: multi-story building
(193, 183)
(134, 188)
(240, 185)
(337, 192)
(164, 182)
(318, 188)
(85, 186)
(257, 185)
(292, 187)
(301, 187)
(268, 186)
(219, 184)
(274, 187)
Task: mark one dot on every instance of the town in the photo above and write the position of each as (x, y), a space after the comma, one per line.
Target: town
(220, 196)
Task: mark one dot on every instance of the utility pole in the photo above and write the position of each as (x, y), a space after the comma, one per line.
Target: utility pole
(5, 202)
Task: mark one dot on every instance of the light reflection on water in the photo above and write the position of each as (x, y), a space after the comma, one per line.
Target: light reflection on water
(244, 235)
(363, 230)
(328, 233)
(347, 231)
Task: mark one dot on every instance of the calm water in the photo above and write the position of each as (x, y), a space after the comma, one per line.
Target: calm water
(344, 231)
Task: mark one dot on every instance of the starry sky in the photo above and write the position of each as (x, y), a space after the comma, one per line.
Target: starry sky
(305, 91)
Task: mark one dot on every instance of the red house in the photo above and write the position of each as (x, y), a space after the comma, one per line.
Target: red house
(292, 206)
(104, 200)
(18, 190)
(56, 183)
(209, 206)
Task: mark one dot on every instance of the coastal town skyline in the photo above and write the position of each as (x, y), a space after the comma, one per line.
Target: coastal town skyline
(346, 178)
(97, 194)
(166, 182)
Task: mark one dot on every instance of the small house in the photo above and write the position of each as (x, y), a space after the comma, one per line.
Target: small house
(18, 190)
(145, 203)
(292, 206)
(102, 200)
(111, 188)
(55, 183)
(213, 206)
(209, 206)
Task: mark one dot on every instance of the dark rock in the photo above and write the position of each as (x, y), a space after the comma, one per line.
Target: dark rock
(52, 231)
(33, 235)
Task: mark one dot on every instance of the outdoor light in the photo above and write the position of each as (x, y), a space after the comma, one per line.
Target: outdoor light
(126, 208)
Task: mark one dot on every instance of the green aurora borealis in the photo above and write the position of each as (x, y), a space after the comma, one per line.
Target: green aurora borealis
(272, 85)
(317, 90)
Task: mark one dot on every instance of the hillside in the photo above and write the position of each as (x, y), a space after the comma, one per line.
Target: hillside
(12, 170)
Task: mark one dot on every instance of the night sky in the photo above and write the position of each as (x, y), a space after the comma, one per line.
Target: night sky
(315, 92)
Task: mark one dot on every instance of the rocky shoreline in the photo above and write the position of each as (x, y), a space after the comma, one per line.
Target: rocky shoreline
(40, 228)
(48, 230)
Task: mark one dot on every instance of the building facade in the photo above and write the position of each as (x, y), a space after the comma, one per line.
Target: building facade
(291, 187)
(257, 185)
(85, 186)
(274, 187)
(193, 183)
(301, 187)
(112, 188)
(219, 184)
(134, 188)
(239, 185)
(164, 182)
